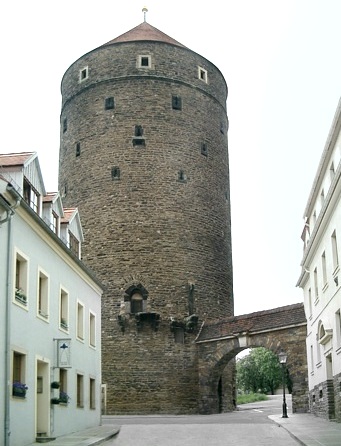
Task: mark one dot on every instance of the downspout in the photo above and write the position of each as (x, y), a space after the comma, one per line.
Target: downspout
(10, 211)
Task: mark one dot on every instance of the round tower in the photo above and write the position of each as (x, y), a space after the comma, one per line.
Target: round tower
(144, 156)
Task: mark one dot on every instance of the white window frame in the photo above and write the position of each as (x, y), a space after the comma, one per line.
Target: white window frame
(144, 56)
(92, 329)
(80, 314)
(43, 293)
(202, 74)
(63, 309)
(83, 74)
(21, 279)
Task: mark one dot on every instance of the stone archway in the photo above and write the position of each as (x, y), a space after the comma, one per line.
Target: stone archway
(218, 343)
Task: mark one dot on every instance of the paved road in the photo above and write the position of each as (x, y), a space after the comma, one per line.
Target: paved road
(249, 426)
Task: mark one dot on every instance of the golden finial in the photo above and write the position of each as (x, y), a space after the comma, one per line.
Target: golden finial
(144, 10)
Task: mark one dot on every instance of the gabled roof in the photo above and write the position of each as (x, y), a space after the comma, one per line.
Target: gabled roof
(16, 159)
(69, 214)
(145, 32)
(50, 197)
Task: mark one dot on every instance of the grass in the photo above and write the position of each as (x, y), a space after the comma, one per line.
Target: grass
(251, 398)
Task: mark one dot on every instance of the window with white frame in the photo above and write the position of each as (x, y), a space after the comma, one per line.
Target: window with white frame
(80, 321)
(202, 74)
(311, 359)
(324, 269)
(331, 172)
(144, 61)
(83, 74)
(55, 223)
(322, 197)
(338, 328)
(316, 287)
(31, 196)
(21, 279)
(335, 251)
(18, 374)
(43, 295)
(318, 350)
(64, 310)
(92, 329)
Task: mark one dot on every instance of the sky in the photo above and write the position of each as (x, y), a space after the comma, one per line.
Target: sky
(281, 61)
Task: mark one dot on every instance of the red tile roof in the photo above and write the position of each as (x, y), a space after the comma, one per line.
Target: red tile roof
(254, 322)
(144, 31)
(49, 197)
(15, 159)
(68, 213)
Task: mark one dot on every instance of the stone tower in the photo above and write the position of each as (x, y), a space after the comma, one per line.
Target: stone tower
(144, 156)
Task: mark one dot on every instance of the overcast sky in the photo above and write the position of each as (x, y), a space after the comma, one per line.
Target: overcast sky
(281, 61)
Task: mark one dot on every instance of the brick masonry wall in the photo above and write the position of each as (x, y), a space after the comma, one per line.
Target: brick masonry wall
(147, 227)
(322, 400)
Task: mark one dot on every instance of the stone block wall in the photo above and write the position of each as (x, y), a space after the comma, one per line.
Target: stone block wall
(155, 210)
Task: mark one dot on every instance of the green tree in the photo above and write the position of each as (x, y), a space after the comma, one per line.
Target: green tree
(259, 371)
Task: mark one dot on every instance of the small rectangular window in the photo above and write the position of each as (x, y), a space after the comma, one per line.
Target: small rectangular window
(202, 74)
(83, 74)
(64, 125)
(92, 391)
(80, 390)
(78, 149)
(316, 284)
(18, 375)
(144, 61)
(335, 251)
(176, 103)
(204, 149)
(92, 330)
(109, 103)
(115, 173)
(182, 176)
(43, 295)
(64, 310)
(80, 321)
(63, 380)
(21, 279)
(324, 269)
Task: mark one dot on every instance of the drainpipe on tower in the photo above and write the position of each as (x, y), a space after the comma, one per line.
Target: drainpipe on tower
(10, 211)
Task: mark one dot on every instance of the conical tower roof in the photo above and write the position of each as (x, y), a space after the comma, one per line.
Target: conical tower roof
(144, 31)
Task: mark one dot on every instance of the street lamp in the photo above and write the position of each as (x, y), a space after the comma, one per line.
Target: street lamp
(283, 360)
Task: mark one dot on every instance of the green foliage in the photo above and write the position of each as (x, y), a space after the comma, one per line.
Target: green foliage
(259, 372)
(251, 398)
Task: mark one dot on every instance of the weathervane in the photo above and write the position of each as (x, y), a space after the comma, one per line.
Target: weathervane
(144, 10)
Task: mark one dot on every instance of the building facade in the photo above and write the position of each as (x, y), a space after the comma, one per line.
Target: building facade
(144, 156)
(50, 312)
(321, 279)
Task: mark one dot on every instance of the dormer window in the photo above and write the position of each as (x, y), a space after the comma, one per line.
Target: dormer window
(31, 196)
(144, 61)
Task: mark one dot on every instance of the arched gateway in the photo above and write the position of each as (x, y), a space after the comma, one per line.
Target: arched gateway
(282, 328)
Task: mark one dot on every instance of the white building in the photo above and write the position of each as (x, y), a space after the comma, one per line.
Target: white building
(321, 279)
(50, 314)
